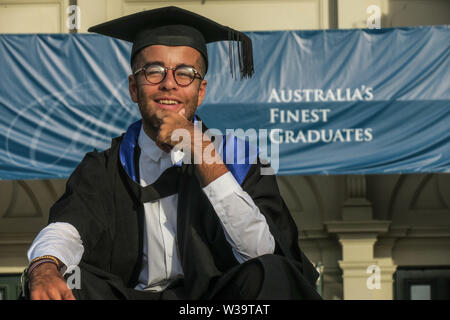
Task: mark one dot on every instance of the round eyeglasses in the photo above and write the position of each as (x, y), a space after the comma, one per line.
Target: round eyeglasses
(183, 75)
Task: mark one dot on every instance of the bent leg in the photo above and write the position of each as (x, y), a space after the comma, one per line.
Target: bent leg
(284, 280)
(268, 277)
(242, 282)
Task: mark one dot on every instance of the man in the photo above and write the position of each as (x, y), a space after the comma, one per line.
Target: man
(141, 221)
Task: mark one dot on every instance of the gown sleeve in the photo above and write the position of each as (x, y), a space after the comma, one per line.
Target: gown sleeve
(83, 203)
(264, 191)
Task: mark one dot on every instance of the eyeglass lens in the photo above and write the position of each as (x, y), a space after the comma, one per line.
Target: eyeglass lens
(184, 75)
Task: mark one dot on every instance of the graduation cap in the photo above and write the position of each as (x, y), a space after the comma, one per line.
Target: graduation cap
(173, 26)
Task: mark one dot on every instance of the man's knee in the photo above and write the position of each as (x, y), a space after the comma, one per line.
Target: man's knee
(244, 283)
(284, 279)
(251, 271)
(259, 268)
(271, 258)
(266, 273)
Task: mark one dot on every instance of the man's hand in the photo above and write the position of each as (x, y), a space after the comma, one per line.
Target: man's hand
(169, 122)
(209, 170)
(46, 283)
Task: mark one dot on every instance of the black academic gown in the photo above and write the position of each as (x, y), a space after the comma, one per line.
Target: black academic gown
(104, 203)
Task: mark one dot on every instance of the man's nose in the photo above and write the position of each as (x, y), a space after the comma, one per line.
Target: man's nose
(169, 82)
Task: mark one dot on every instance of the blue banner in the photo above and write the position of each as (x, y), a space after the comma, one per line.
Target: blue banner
(327, 102)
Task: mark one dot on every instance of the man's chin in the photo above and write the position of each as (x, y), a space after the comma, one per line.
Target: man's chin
(170, 107)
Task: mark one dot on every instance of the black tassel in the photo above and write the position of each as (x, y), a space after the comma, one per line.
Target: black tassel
(239, 50)
(247, 70)
(231, 51)
(244, 51)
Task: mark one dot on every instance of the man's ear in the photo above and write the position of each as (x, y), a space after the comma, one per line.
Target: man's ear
(132, 87)
(201, 92)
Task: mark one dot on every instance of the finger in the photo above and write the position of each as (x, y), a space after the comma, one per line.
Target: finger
(43, 296)
(54, 295)
(35, 296)
(39, 294)
(68, 295)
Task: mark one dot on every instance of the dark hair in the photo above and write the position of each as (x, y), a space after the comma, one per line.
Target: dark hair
(134, 62)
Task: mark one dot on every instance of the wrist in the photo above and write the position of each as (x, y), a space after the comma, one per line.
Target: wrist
(48, 261)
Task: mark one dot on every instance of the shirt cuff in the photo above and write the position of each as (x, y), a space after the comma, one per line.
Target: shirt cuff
(58, 239)
(221, 188)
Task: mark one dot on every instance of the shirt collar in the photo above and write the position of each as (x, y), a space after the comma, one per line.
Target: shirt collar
(148, 146)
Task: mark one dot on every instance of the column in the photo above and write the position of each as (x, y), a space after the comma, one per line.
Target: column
(364, 276)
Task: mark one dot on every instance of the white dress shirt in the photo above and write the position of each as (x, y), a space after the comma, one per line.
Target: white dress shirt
(244, 226)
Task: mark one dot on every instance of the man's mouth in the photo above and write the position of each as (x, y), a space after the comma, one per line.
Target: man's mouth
(166, 103)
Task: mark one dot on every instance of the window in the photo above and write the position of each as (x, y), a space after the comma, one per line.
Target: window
(2, 293)
(420, 291)
(10, 287)
(422, 283)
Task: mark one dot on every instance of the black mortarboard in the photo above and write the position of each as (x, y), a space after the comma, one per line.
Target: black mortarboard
(173, 26)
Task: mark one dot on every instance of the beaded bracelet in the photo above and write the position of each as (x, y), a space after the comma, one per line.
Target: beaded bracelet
(39, 262)
(45, 257)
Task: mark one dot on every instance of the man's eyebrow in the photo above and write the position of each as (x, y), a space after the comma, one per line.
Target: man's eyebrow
(184, 65)
(148, 63)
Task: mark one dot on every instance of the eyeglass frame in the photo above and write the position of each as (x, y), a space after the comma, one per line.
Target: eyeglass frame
(197, 74)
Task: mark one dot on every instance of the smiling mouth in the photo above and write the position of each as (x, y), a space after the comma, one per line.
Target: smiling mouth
(167, 101)
(168, 104)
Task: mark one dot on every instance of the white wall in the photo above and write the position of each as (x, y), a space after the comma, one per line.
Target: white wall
(49, 16)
